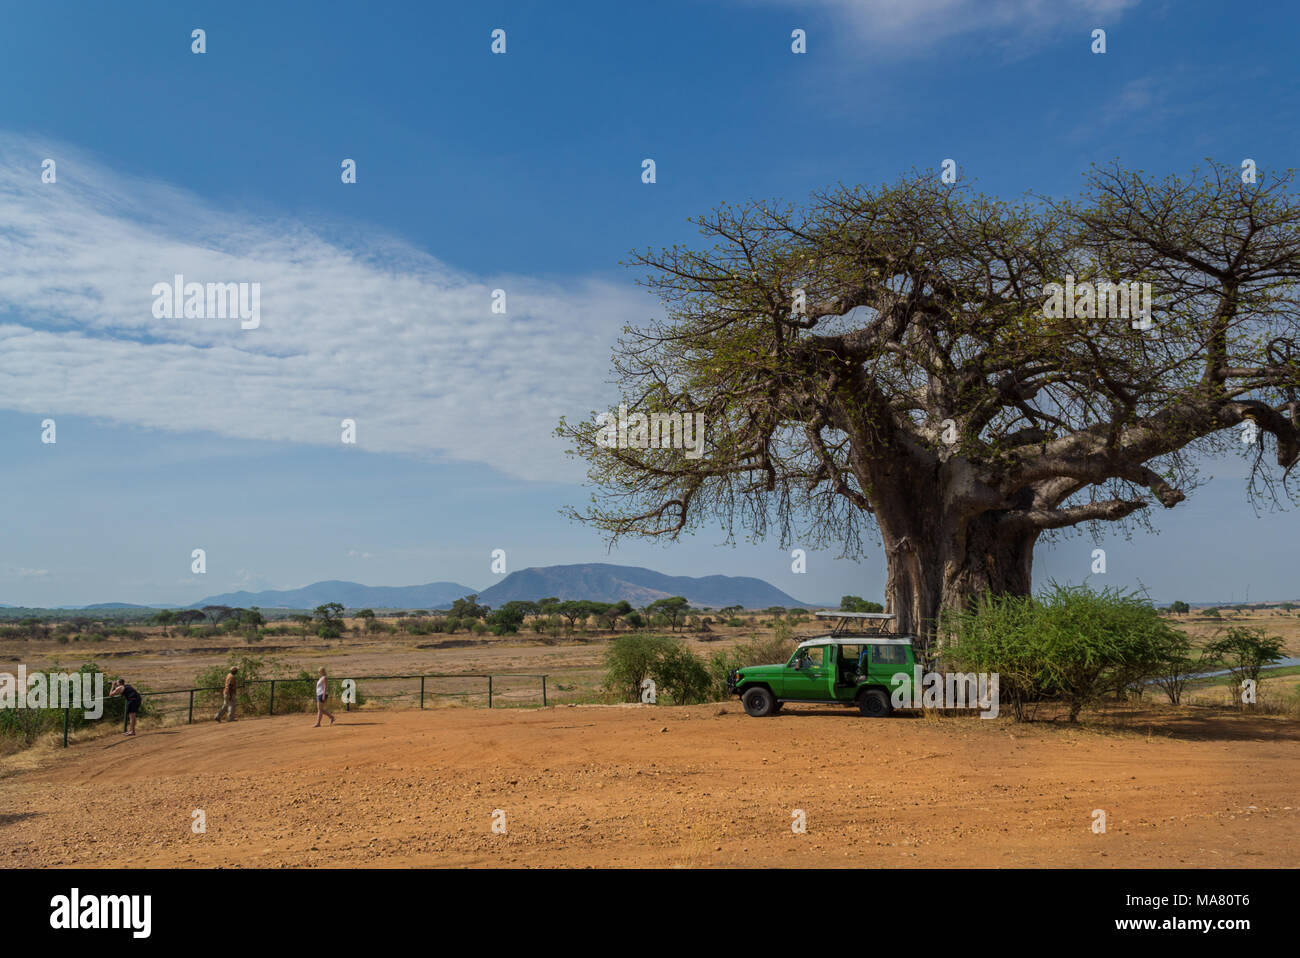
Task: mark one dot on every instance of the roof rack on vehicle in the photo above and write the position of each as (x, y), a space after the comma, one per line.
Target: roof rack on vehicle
(846, 623)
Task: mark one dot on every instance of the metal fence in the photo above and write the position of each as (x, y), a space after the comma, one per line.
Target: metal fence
(425, 693)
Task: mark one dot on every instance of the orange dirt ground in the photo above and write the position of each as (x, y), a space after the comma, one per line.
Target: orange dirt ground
(658, 786)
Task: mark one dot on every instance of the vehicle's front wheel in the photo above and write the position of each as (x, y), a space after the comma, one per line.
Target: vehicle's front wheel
(759, 703)
(874, 703)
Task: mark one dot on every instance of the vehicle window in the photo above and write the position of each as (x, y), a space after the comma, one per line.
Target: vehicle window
(815, 655)
(849, 654)
(888, 655)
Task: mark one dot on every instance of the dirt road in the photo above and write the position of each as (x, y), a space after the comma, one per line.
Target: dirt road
(658, 786)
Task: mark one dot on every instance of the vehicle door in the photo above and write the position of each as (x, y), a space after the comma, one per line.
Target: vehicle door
(810, 674)
(886, 661)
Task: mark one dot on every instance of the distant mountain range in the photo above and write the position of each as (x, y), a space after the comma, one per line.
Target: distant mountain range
(352, 595)
(597, 582)
(602, 582)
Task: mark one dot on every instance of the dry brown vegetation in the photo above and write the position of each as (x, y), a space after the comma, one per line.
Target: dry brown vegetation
(1201, 784)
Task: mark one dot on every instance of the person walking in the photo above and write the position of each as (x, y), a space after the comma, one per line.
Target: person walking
(132, 704)
(322, 693)
(228, 694)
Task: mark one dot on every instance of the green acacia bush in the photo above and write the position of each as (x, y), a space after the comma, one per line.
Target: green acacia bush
(1244, 652)
(680, 675)
(629, 660)
(1071, 643)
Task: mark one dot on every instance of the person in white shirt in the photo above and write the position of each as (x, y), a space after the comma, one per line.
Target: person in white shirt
(322, 693)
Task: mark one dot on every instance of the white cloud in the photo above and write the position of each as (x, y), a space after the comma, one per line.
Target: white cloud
(910, 26)
(379, 332)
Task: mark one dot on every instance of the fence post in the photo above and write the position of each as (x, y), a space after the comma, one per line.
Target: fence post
(191, 719)
(489, 691)
(421, 691)
(272, 696)
(67, 715)
(543, 691)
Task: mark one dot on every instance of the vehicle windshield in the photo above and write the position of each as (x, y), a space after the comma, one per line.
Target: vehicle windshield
(810, 657)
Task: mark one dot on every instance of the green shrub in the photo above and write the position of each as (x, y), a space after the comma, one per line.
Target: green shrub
(681, 675)
(1071, 643)
(1177, 667)
(630, 660)
(678, 673)
(1244, 652)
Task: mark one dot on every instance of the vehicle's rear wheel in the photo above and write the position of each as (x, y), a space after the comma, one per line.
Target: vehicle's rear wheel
(759, 703)
(874, 703)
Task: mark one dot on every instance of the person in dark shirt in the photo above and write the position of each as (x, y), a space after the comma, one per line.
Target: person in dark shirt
(132, 704)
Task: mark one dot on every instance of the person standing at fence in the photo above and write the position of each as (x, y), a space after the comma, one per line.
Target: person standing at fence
(322, 693)
(132, 704)
(228, 695)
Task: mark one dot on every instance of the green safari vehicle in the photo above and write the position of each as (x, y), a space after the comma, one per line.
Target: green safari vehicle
(854, 664)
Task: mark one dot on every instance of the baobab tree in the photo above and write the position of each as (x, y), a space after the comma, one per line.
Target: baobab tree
(897, 358)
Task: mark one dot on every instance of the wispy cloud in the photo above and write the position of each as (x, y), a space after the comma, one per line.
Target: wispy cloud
(371, 329)
(908, 27)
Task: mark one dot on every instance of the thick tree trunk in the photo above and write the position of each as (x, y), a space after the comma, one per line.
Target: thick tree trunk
(938, 563)
(941, 552)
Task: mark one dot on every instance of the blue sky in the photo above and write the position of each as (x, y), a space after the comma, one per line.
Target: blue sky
(519, 172)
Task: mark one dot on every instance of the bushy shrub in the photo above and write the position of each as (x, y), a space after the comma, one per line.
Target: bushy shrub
(629, 661)
(1244, 652)
(1178, 665)
(1071, 643)
(680, 676)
